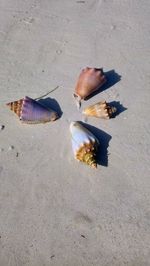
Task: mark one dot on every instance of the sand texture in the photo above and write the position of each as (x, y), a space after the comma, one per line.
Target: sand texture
(55, 211)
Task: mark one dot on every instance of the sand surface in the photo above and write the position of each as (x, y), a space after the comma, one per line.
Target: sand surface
(54, 210)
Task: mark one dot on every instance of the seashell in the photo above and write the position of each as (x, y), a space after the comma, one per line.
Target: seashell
(90, 80)
(101, 110)
(32, 112)
(84, 144)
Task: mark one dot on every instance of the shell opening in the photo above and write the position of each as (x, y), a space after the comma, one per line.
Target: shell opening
(77, 100)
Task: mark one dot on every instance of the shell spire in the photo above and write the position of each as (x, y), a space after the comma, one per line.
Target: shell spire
(90, 80)
(31, 112)
(84, 144)
(101, 110)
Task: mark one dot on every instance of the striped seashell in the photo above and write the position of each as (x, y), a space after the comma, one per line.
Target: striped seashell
(101, 110)
(89, 81)
(32, 112)
(84, 144)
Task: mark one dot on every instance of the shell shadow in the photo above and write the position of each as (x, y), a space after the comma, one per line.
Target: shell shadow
(104, 139)
(120, 108)
(51, 103)
(112, 78)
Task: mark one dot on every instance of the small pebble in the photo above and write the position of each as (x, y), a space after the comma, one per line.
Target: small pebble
(58, 51)
(11, 147)
(1, 149)
(2, 127)
(113, 27)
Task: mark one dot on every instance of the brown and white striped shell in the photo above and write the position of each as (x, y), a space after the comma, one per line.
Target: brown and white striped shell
(101, 110)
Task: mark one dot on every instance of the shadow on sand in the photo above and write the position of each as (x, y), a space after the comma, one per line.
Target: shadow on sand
(52, 104)
(119, 108)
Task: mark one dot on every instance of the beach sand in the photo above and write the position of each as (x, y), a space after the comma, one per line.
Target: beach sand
(53, 209)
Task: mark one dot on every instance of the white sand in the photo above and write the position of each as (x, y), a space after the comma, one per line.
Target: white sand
(54, 210)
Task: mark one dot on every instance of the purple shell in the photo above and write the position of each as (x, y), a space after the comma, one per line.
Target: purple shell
(34, 112)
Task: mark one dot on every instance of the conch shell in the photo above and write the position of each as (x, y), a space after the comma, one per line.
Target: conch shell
(90, 80)
(32, 112)
(84, 144)
(101, 110)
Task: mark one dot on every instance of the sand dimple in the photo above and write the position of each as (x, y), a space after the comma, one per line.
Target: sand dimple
(81, 218)
(2, 127)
